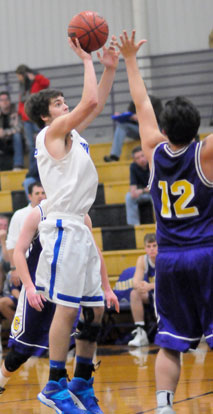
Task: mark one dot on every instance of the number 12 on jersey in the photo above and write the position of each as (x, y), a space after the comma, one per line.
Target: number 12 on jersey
(185, 190)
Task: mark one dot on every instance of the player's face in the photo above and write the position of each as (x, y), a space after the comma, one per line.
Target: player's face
(140, 159)
(37, 195)
(3, 224)
(151, 249)
(57, 107)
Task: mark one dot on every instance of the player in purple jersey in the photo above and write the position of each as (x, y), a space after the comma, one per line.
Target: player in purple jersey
(181, 185)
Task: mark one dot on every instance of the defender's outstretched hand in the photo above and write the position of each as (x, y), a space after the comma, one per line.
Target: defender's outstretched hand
(128, 47)
(110, 56)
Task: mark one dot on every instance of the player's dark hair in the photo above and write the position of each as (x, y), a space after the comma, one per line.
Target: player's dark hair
(35, 184)
(180, 120)
(136, 149)
(37, 105)
(149, 238)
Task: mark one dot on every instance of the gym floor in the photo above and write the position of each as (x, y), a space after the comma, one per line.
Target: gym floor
(124, 383)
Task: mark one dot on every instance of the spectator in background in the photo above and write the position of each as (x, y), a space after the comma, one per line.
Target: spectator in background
(8, 303)
(8, 293)
(30, 82)
(11, 139)
(139, 192)
(127, 126)
(4, 258)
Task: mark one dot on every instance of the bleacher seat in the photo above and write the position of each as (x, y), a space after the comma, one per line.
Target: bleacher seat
(12, 180)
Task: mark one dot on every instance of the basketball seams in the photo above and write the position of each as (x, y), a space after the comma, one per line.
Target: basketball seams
(85, 20)
(93, 28)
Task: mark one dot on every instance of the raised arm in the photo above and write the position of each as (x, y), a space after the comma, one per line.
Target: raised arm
(207, 157)
(63, 124)
(109, 59)
(148, 126)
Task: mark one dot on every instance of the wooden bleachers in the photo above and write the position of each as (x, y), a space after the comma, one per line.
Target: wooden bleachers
(12, 180)
(97, 151)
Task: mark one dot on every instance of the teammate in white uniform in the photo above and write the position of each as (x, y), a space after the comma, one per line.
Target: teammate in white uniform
(36, 195)
(68, 271)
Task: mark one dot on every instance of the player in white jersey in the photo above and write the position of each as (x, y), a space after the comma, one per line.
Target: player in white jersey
(68, 271)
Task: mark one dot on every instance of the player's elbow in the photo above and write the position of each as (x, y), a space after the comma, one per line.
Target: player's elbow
(90, 104)
(93, 102)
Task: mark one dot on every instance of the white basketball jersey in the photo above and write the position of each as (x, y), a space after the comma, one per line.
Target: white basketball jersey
(70, 183)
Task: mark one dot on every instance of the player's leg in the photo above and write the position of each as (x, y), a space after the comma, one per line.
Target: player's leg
(132, 212)
(167, 373)
(81, 386)
(127, 129)
(56, 394)
(12, 362)
(137, 309)
(18, 157)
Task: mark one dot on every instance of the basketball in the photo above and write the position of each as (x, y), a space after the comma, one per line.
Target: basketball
(90, 29)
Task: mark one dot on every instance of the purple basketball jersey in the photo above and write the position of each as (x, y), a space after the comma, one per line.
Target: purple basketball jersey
(182, 196)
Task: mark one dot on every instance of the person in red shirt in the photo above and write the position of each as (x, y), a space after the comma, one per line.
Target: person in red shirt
(30, 82)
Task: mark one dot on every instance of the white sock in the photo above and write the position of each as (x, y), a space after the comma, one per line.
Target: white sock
(141, 324)
(3, 379)
(164, 398)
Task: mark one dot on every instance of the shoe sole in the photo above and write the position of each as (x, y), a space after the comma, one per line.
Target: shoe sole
(138, 345)
(49, 403)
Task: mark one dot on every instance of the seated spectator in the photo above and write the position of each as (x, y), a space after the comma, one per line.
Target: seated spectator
(143, 290)
(11, 139)
(124, 285)
(4, 257)
(8, 293)
(127, 126)
(8, 303)
(139, 192)
(29, 82)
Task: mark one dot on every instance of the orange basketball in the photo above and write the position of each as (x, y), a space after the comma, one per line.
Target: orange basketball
(90, 29)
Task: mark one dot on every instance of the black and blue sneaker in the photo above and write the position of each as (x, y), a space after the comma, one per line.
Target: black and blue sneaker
(82, 393)
(56, 395)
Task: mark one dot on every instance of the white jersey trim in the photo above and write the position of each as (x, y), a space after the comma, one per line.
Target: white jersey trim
(177, 153)
(152, 172)
(198, 167)
(179, 337)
